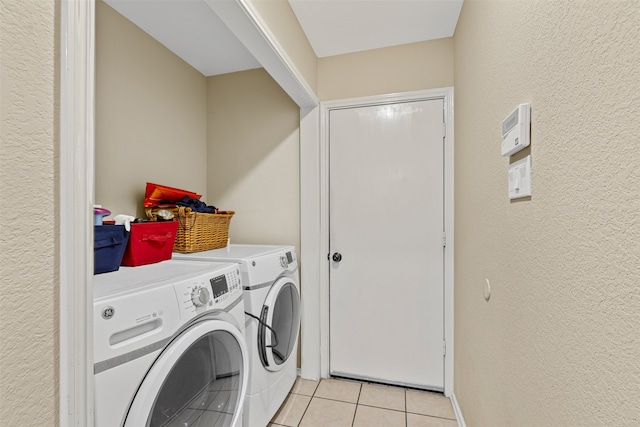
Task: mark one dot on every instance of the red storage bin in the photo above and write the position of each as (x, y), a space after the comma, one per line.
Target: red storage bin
(150, 242)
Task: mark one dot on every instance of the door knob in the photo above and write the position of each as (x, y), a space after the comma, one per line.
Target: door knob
(337, 257)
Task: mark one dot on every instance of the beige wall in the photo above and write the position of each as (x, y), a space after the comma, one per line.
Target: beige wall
(28, 184)
(410, 67)
(253, 157)
(557, 343)
(150, 116)
(282, 22)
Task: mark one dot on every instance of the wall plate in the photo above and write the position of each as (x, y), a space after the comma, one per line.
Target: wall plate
(515, 130)
(520, 178)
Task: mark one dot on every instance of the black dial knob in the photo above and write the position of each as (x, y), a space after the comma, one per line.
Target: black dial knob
(337, 257)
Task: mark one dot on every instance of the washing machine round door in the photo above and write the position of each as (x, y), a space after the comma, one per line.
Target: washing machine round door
(200, 379)
(280, 323)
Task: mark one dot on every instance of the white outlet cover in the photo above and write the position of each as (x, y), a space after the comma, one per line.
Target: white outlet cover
(520, 178)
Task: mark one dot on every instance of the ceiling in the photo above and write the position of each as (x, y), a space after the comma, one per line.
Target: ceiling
(191, 29)
(335, 27)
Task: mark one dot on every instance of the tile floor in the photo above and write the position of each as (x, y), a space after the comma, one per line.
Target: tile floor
(337, 403)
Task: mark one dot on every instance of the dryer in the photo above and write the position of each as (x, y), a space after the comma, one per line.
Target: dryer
(272, 303)
(169, 345)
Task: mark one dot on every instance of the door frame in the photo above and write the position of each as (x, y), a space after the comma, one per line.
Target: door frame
(323, 321)
(75, 220)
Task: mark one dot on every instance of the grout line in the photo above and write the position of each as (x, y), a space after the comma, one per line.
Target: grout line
(335, 400)
(406, 407)
(308, 404)
(305, 411)
(357, 403)
(380, 407)
(355, 411)
(353, 420)
(406, 412)
(431, 416)
(315, 389)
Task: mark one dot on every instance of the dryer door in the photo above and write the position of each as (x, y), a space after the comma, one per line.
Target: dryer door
(199, 379)
(280, 323)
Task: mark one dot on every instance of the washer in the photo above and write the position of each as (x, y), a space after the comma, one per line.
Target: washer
(272, 302)
(169, 346)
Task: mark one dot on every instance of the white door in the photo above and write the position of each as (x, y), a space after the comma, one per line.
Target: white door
(386, 293)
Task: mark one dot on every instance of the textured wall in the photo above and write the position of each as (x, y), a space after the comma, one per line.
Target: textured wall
(253, 157)
(410, 67)
(29, 282)
(150, 116)
(558, 342)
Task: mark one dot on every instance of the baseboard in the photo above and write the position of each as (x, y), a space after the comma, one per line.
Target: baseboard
(457, 410)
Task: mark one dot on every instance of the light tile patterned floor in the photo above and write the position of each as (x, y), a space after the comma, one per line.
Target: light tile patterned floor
(336, 403)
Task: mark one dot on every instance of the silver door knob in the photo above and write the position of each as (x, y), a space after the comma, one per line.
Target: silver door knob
(337, 257)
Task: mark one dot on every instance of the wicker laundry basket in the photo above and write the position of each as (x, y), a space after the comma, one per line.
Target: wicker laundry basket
(198, 231)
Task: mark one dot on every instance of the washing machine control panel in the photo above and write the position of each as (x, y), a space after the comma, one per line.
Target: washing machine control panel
(208, 291)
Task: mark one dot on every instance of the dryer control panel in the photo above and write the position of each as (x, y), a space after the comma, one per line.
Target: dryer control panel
(264, 268)
(288, 258)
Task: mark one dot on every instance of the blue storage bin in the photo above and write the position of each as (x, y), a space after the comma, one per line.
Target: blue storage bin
(109, 243)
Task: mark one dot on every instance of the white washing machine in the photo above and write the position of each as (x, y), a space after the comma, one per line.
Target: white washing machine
(169, 345)
(272, 302)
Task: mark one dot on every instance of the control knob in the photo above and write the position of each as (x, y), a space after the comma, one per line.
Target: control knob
(283, 261)
(200, 296)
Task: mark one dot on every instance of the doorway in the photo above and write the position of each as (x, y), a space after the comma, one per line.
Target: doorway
(323, 345)
(386, 288)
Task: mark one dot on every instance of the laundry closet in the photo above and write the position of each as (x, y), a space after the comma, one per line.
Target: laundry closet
(232, 138)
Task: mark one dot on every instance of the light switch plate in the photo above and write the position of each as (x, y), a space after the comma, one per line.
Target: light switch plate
(520, 178)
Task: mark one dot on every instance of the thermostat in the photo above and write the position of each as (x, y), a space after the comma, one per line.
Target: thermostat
(515, 130)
